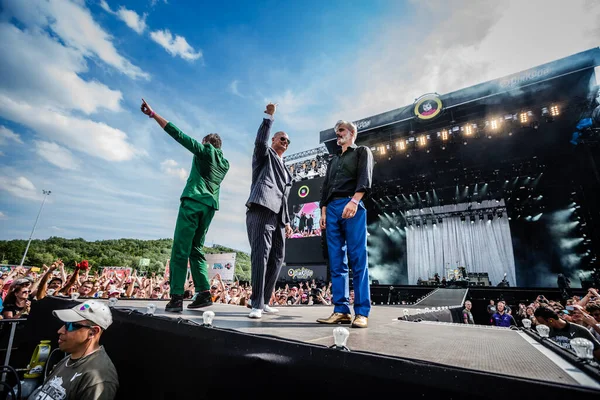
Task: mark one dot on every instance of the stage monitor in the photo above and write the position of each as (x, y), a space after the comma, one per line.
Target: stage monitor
(304, 246)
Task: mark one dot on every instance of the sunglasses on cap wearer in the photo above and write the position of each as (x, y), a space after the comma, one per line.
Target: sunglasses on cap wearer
(284, 139)
(73, 326)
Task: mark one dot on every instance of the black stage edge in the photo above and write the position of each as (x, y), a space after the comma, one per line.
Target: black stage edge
(165, 358)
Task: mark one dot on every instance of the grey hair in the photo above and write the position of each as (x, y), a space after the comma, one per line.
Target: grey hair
(347, 124)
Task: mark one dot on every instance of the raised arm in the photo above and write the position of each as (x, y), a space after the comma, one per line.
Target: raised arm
(189, 143)
(262, 136)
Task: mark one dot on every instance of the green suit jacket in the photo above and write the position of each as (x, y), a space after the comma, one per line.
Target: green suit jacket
(209, 168)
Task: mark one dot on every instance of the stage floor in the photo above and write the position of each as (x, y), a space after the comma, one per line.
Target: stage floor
(481, 348)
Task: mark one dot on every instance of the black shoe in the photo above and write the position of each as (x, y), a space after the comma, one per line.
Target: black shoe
(176, 303)
(201, 299)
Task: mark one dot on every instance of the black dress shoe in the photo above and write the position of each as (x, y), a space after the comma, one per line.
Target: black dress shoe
(175, 304)
(202, 299)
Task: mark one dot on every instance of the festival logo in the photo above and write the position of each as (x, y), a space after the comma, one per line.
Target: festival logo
(428, 106)
(303, 191)
(300, 273)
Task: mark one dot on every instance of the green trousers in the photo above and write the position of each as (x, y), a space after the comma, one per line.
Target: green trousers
(190, 232)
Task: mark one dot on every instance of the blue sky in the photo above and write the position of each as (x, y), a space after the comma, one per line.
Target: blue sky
(73, 73)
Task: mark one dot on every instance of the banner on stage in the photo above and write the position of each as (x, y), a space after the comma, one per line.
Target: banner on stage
(222, 264)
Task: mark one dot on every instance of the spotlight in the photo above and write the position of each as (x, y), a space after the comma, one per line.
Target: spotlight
(468, 130)
(444, 135)
(462, 218)
(422, 140)
(382, 149)
(523, 117)
(554, 111)
(439, 220)
(481, 216)
(494, 124)
(490, 216)
(472, 219)
(499, 214)
(401, 144)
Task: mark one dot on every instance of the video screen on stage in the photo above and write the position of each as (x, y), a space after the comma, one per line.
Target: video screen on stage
(305, 220)
(304, 201)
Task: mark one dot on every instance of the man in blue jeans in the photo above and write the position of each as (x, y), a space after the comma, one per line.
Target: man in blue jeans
(344, 217)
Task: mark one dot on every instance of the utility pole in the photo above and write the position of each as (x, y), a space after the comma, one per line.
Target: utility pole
(46, 194)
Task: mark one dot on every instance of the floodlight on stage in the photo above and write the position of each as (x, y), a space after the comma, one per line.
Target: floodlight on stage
(490, 216)
(523, 117)
(481, 216)
(444, 135)
(422, 140)
(440, 220)
(472, 218)
(494, 124)
(382, 150)
(462, 218)
(554, 111)
(401, 144)
(468, 130)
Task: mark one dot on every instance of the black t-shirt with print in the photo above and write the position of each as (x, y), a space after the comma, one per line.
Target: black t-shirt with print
(563, 336)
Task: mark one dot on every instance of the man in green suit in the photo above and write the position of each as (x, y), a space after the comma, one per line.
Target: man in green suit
(199, 201)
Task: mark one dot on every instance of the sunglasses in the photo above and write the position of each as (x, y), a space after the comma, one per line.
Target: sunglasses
(284, 139)
(341, 130)
(73, 326)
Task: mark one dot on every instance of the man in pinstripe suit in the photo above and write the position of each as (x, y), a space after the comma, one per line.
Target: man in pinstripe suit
(267, 217)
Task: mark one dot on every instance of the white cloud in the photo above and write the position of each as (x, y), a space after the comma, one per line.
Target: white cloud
(233, 88)
(465, 45)
(2, 215)
(175, 46)
(170, 167)
(8, 135)
(130, 17)
(44, 72)
(56, 155)
(74, 24)
(94, 138)
(19, 187)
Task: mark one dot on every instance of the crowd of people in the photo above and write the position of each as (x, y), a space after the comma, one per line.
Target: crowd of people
(22, 285)
(308, 169)
(572, 318)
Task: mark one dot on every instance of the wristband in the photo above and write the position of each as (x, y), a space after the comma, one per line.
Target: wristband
(151, 114)
(354, 201)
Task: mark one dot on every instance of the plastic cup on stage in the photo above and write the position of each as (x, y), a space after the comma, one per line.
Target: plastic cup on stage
(340, 337)
(583, 348)
(207, 318)
(50, 292)
(112, 301)
(543, 330)
(526, 323)
(74, 296)
(150, 309)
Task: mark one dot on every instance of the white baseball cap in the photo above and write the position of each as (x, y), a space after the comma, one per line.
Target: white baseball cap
(91, 310)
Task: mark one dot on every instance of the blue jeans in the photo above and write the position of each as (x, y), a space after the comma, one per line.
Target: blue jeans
(347, 244)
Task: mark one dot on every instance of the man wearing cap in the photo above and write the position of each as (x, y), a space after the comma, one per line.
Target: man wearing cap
(87, 373)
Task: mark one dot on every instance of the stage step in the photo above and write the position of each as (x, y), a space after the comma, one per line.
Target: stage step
(444, 297)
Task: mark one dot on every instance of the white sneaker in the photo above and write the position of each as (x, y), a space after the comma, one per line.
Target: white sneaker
(270, 310)
(255, 313)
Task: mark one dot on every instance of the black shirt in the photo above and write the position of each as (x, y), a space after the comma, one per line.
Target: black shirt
(348, 173)
(562, 337)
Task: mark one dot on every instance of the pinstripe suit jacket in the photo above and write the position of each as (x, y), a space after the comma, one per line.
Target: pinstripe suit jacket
(271, 181)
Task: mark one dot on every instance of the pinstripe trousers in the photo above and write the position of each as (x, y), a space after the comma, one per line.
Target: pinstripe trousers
(267, 243)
